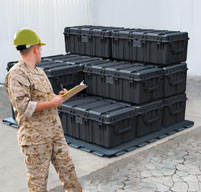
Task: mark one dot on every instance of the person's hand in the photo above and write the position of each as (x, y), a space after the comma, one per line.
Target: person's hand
(57, 101)
(63, 91)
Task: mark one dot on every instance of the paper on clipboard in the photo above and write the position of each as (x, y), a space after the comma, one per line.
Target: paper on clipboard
(74, 91)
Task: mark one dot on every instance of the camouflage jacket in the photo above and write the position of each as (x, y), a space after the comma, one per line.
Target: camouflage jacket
(25, 87)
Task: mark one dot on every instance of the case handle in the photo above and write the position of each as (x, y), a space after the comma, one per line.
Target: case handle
(151, 120)
(154, 119)
(175, 112)
(118, 130)
(176, 82)
(149, 88)
(152, 88)
(177, 50)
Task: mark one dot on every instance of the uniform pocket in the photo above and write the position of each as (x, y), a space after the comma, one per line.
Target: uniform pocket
(36, 155)
(40, 87)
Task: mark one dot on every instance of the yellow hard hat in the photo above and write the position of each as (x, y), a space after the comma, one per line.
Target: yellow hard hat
(24, 38)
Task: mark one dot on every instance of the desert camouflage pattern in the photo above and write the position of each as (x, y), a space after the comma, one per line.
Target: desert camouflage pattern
(26, 86)
(40, 134)
(37, 159)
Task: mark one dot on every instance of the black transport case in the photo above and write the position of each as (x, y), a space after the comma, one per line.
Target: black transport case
(133, 83)
(160, 47)
(63, 71)
(89, 40)
(149, 118)
(100, 121)
(63, 75)
(174, 79)
(174, 110)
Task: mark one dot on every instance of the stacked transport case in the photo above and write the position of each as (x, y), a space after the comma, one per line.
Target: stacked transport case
(136, 82)
(141, 68)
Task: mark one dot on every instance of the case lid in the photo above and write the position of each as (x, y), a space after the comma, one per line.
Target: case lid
(58, 57)
(89, 30)
(125, 70)
(57, 69)
(54, 68)
(80, 60)
(180, 67)
(99, 109)
(71, 59)
(44, 63)
(58, 65)
(65, 64)
(62, 64)
(52, 57)
(149, 107)
(175, 99)
(149, 35)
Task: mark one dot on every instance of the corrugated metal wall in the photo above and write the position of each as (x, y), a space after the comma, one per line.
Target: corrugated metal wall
(47, 17)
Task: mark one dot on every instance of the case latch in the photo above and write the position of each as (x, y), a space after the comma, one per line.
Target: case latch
(78, 120)
(84, 39)
(109, 80)
(137, 43)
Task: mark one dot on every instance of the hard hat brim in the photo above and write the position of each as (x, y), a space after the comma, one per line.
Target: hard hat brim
(42, 44)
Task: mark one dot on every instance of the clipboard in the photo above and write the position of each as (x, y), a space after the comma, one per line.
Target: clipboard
(74, 91)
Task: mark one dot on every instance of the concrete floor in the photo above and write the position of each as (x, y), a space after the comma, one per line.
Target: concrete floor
(119, 173)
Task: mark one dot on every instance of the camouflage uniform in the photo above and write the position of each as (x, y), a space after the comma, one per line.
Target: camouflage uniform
(40, 134)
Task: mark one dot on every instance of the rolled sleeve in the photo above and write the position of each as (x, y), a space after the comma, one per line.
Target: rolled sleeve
(30, 108)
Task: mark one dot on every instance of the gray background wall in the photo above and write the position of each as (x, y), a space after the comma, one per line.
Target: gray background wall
(182, 15)
(47, 17)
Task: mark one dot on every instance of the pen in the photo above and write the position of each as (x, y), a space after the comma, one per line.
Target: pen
(62, 87)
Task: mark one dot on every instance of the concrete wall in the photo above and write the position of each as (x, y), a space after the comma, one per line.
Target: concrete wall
(47, 17)
(183, 15)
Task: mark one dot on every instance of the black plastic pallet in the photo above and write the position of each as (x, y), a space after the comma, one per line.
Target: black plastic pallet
(10, 121)
(123, 148)
(131, 145)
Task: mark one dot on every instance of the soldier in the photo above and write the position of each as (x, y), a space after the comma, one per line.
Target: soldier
(40, 133)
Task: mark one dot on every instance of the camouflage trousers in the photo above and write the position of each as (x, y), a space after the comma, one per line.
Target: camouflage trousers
(38, 158)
